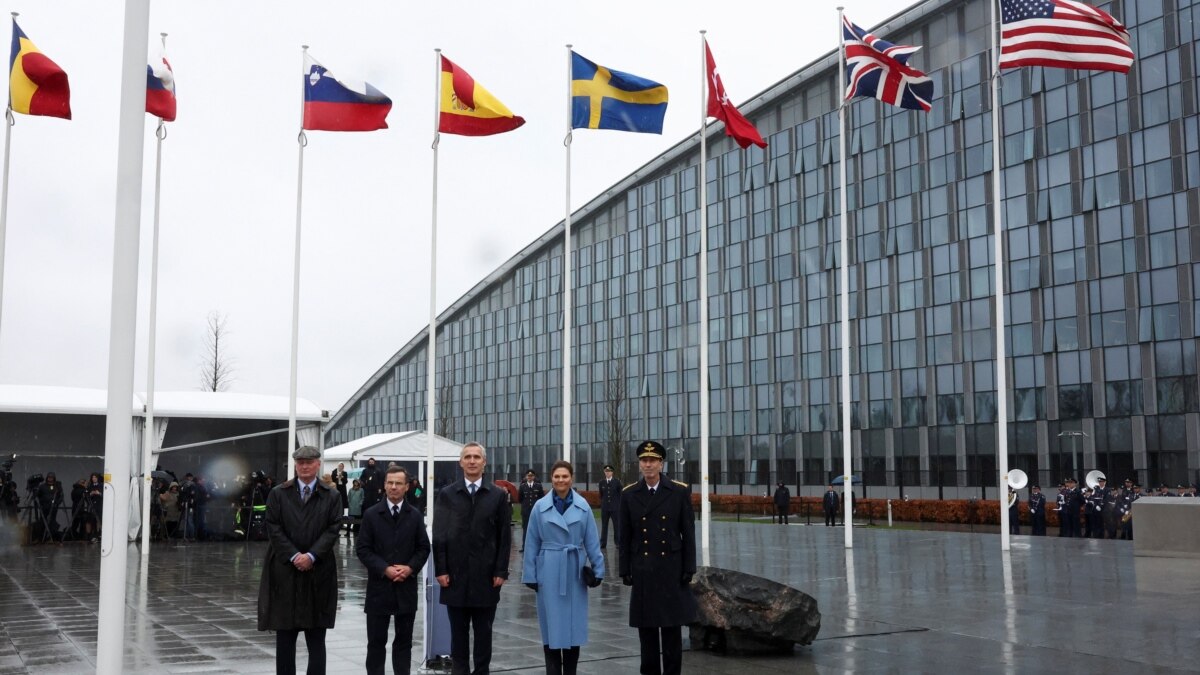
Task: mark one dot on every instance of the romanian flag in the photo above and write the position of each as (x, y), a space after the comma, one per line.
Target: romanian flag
(332, 103)
(36, 85)
(160, 89)
(609, 99)
(468, 109)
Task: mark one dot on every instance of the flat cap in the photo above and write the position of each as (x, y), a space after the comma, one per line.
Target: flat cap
(306, 452)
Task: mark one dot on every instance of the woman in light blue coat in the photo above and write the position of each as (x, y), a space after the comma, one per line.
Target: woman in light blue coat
(562, 539)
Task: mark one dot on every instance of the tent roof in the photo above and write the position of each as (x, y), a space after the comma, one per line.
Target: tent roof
(21, 398)
(411, 445)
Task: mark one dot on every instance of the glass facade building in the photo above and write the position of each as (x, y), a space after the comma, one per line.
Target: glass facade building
(1101, 204)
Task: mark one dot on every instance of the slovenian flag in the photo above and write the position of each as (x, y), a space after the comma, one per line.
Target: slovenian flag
(36, 85)
(160, 89)
(332, 103)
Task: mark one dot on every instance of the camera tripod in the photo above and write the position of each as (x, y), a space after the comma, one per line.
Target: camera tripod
(38, 519)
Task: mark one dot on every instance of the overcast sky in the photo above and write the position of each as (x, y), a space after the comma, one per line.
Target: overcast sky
(229, 175)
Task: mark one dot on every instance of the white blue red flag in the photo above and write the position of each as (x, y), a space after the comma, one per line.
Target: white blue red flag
(1062, 34)
(333, 103)
(879, 69)
(160, 89)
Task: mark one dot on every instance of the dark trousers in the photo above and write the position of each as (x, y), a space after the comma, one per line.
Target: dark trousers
(605, 518)
(377, 633)
(285, 651)
(830, 517)
(671, 645)
(781, 515)
(1039, 525)
(526, 514)
(464, 620)
(561, 661)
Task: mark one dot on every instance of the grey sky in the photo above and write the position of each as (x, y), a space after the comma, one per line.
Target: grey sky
(229, 174)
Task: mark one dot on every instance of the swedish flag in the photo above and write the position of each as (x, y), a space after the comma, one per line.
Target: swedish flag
(609, 99)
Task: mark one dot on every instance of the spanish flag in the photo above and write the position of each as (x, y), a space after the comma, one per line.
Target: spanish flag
(36, 85)
(467, 109)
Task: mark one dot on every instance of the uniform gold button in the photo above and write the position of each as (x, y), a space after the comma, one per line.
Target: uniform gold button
(643, 529)
(664, 517)
(664, 553)
(645, 554)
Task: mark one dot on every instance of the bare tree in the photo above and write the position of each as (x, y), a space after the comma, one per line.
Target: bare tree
(216, 368)
(616, 409)
(445, 411)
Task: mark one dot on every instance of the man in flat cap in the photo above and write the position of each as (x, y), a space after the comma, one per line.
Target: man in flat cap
(299, 586)
(610, 500)
(657, 548)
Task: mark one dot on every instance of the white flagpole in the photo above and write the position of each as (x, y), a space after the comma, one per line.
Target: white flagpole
(998, 264)
(114, 548)
(844, 276)
(8, 125)
(566, 308)
(301, 141)
(431, 349)
(149, 437)
(702, 279)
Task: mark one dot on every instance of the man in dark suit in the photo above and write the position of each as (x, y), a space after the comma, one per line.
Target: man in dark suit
(610, 500)
(783, 503)
(471, 544)
(830, 504)
(298, 589)
(393, 546)
(659, 561)
(528, 494)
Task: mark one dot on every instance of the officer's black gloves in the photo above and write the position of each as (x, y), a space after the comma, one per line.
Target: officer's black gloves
(685, 579)
(627, 580)
(532, 587)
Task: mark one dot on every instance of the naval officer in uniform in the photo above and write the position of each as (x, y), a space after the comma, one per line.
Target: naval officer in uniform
(657, 542)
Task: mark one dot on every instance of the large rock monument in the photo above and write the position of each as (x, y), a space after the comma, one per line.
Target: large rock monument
(744, 614)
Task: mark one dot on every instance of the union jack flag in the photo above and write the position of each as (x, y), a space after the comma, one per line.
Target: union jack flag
(879, 69)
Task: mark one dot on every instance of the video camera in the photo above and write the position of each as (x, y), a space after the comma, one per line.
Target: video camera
(34, 481)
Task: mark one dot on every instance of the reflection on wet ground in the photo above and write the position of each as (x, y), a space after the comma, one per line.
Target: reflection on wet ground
(905, 601)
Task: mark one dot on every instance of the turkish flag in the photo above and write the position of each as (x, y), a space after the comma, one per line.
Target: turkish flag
(720, 107)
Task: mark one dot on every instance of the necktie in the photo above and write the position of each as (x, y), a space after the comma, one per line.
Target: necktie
(472, 488)
(395, 510)
(652, 491)
(307, 492)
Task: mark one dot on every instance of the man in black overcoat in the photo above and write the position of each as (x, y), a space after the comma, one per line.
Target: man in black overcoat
(371, 480)
(830, 505)
(299, 586)
(471, 544)
(610, 501)
(340, 480)
(783, 503)
(393, 546)
(528, 493)
(656, 537)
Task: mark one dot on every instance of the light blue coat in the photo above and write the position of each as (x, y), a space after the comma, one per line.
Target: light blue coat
(556, 548)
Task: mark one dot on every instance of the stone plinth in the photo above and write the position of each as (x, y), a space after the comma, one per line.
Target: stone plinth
(1166, 527)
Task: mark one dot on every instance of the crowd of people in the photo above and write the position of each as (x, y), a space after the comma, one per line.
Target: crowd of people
(1095, 512)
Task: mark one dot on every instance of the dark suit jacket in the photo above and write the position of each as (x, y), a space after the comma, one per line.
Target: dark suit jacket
(471, 542)
(384, 541)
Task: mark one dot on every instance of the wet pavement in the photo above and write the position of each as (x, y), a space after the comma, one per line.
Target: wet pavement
(901, 601)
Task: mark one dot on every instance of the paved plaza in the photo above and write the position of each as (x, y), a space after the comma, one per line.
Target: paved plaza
(902, 601)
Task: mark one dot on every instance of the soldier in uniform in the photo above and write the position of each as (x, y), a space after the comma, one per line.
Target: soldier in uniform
(1037, 511)
(529, 492)
(610, 500)
(1073, 508)
(657, 546)
(1014, 512)
(1060, 506)
(1129, 498)
(1109, 515)
(829, 503)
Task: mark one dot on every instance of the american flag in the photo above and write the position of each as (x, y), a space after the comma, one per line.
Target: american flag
(1062, 34)
(879, 69)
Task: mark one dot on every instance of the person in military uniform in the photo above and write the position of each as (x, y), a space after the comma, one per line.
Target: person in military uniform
(1129, 498)
(1072, 508)
(1095, 514)
(657, 545)
(1014, 512)
(1060, 505)
(1037, 511)
(783, 503)
(529, 492)
(610, 500)
(1109, 516)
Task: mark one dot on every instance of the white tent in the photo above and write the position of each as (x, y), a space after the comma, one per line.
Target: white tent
(410, 446)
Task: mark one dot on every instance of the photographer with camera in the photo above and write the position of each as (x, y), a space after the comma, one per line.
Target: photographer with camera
(10, 501)
(49, 499)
